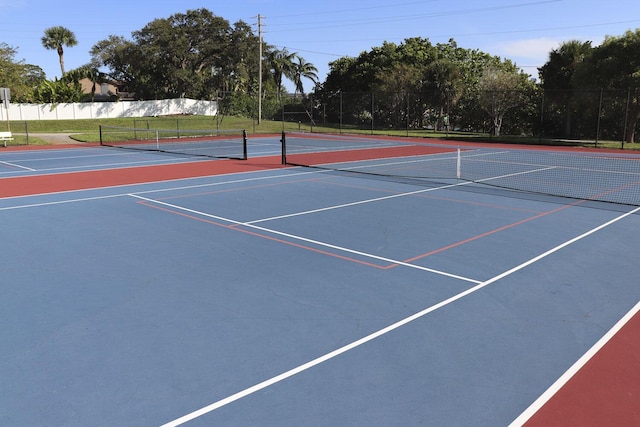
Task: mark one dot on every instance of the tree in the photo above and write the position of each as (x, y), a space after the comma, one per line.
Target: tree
(558, 73)
(87, 71)
(57, 91)
(500, 92)
(443, 79)
(193, 54)
(20, 77)
(390, 71)
(282, 65)
(55, 38)
(462, 77)
(615, 65)
(239, 71)
(182, 52)
(119, 55)
(558, 79)
(303, 69)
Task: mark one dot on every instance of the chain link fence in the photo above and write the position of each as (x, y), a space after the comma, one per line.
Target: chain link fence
(586, 116)
(19, 130)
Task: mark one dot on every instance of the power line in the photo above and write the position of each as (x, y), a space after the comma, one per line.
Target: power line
(360, 21)
(359, 9)
(531, 30)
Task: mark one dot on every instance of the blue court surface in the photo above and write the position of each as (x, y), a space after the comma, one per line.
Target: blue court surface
(296, 297)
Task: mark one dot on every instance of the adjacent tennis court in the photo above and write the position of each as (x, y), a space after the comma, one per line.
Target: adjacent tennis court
(379, 282)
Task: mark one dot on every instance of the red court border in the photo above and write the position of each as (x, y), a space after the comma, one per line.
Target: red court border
(604, 392)
(70, 181)
(41, 184)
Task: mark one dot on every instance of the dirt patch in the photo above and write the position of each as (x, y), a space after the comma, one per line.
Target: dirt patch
(56, 138)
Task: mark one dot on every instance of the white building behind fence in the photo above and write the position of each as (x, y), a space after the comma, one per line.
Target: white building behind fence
(108, 110)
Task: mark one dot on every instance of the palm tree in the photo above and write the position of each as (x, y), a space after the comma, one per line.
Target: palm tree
(445, 81)
(558, 76)
(55, 38)
(87, 71)
(282, 64)
(304, 69)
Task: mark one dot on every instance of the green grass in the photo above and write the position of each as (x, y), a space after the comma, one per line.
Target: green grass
(87, 130)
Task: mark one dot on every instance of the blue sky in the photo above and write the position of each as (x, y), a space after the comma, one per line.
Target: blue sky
(524, 31)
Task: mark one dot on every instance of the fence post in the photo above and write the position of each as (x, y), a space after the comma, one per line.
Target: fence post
(626, 117)
(541, 118)
(407, 113)
(283, 148)
(341, 111)
(599, 114)
(245, 155)
(311, 104)
(372, 112)
(217, 110)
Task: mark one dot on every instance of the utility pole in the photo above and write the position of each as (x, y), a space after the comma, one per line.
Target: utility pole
(259, 69)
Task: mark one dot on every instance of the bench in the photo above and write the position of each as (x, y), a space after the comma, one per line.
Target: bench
(6, 136)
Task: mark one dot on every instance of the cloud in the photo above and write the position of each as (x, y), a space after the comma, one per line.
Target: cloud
(535, 51)
(530, 54)
(6, 4)
(9, 6)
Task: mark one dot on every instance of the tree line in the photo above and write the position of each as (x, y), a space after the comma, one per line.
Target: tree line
(194, 54)
(415, 83)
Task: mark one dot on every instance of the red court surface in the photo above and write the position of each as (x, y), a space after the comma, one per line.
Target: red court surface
(603, 392)
(40, 184)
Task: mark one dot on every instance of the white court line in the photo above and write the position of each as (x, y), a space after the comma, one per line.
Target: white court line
(21, 153)
(304, 239)
(17, 166)
(290, 373)
(112, 166)
(59, 202)
(555, 387)
(83, 156)
(102, 166)
(393, 196)
(361, 202)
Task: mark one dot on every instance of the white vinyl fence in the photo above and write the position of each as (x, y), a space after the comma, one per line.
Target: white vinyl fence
(104, 110)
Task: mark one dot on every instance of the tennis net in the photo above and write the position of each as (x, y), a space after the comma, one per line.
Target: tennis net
(228, 144)
(578, 174)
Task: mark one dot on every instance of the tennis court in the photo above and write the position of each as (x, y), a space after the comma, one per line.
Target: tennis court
(170, 290)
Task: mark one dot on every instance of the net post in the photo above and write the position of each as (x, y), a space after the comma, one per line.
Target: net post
(244, 144)
(100, 127)
(458, 165)
(283, 142)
